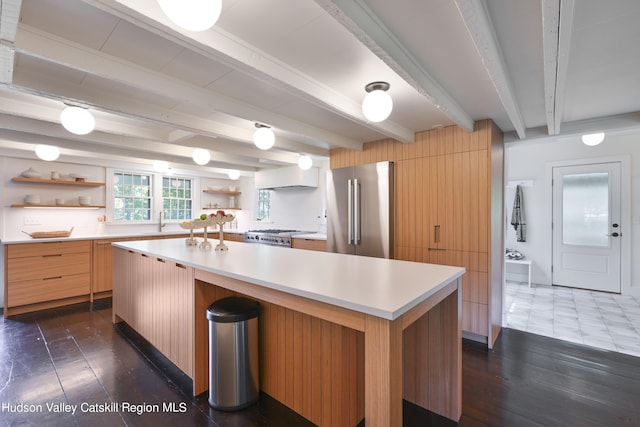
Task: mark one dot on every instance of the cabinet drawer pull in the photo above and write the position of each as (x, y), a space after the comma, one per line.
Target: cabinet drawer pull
(52, 278)
(436, 249)
(104, 243)
(181, 266)
(144, 255)
(51, 255)
(160, 260)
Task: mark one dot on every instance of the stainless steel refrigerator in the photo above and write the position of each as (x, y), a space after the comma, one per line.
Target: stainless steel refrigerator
(360, 210)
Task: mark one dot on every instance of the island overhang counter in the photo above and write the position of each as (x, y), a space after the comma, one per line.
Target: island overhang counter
(342, 337)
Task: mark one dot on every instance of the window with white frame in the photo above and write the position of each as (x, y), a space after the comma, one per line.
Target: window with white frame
(264, 205)
(138, 196)
(132, 197)
(177, 198)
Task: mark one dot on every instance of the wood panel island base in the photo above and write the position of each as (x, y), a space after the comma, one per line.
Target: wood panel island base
(342, 338)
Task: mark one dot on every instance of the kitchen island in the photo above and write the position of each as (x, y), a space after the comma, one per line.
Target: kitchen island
(342, 337)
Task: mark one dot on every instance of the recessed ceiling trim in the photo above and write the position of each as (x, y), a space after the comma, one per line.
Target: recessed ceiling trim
(480, 27)
(360, 20)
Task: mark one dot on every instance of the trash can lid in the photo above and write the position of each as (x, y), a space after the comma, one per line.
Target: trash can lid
(233, 309)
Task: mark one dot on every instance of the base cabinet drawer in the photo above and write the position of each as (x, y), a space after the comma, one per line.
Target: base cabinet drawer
(310, 244)
(48, 266)
(41, 290)
(24, 250)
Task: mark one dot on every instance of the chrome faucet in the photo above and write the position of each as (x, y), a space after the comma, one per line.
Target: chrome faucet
(160, 224)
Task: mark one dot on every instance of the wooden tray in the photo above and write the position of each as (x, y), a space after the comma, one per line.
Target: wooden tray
(49, 234)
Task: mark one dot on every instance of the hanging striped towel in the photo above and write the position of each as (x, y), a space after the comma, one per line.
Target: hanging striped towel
(517, 216)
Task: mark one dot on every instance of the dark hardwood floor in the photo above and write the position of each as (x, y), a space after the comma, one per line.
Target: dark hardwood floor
(75, 356)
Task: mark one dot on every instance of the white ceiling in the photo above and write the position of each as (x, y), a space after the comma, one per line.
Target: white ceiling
(537, 68)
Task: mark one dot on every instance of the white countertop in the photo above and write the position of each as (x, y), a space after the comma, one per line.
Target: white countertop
(80, 236)
(380, 287)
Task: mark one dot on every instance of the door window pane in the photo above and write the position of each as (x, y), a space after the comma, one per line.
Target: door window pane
(585, 209)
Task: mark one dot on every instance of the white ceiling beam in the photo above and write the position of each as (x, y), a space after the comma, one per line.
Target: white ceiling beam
(9, 17)
(360, 20)
(106, 143)
(66, 53)
(12, 146)
(476, 18)
(609, 124)
(220, 46)
(557, 25)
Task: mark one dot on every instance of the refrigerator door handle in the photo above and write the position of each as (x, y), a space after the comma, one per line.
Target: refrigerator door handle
(349, 212)
(356, 213)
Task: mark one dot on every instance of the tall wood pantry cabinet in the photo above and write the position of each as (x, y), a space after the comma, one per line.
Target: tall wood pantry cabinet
(448, 210)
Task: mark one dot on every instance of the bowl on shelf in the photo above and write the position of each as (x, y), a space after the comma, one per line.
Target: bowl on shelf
(59, 201)
(232, 188)
(32, 199)
(215, 188)
(31, 173)
(84, 200)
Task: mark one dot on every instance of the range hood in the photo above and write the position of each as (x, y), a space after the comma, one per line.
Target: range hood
(286, 177)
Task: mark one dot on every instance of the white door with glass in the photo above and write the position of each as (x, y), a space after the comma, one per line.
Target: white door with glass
(586, 226)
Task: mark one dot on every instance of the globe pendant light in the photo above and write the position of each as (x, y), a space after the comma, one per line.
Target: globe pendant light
(593, 139)
(77, 120)
(377, 104)
(305, 162)
(161, 166)
(192, 15)
(233, 174)
(263, 137)
(201, 156)
(47, 152)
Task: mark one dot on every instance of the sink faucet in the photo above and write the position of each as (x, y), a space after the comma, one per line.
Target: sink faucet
(160, 224)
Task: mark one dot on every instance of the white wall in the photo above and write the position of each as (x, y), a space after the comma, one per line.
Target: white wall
(299, 208)
(529, 160)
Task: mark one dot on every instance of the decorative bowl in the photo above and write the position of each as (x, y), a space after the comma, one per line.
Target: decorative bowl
(31, 173)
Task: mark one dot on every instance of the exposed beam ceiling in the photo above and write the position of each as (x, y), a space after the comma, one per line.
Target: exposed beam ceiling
(477, 21)
(362, 22)
(557, 22)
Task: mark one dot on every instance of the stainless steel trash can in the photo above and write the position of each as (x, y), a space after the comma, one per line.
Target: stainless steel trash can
(233, 353)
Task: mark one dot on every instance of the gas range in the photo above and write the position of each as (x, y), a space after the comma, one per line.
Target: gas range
(274, 237)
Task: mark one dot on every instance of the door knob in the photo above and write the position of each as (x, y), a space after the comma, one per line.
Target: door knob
(614, 234)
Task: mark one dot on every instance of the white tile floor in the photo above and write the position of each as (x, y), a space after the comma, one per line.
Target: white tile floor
(598, 319)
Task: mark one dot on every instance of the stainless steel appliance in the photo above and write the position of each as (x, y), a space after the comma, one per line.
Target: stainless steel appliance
(360, 210)
(274, 237)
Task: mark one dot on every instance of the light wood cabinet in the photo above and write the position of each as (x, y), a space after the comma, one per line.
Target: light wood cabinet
(310, 244)
(102, 276)
(156, 298)
(46, 275)
(448, 210)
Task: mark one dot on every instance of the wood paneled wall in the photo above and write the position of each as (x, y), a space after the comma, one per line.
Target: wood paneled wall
(448, 209)
(309, 364)
(156, 298)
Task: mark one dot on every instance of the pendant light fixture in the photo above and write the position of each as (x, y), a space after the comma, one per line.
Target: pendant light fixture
(592, 139)
(305, 162)
(77, 120)
(377, 104)
(233, 174)
(263, 137)
(201, 156)
(192, 15)
(48, 153)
